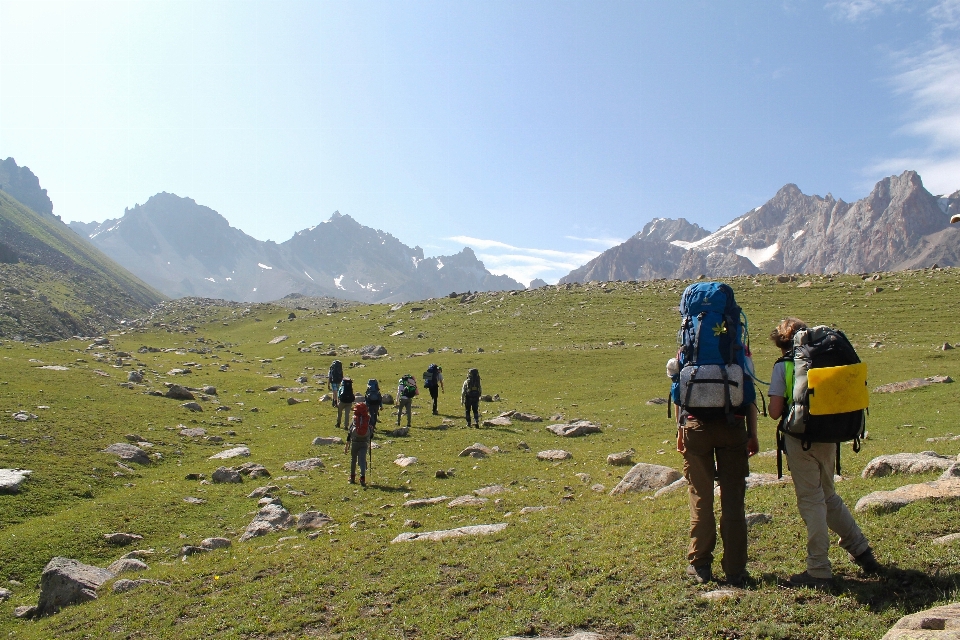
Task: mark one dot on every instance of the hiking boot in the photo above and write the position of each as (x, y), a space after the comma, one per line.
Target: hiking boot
(806, 580)
(353, 479)
(867, 562)
(435, 412)
(701, 574)
(742, 579)
(363, 481)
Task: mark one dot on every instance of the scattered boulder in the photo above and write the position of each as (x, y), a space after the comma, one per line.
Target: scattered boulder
(914, 383)
(646, 477)
(253, 470)
(527, 510)
(125, 565)
(952, 472)
(554, 454)
(907, 494)
(312, 520)
(231, 453)
(215, 543)
(656, 401)
(278, 340)
(193, 432)
(210, 390)
(128, 452)
(303, 465)
(25, 612)
(191, 406)
(475, 530)
(476, 448)
(424, 502)
(467, 501)
(270, 518)
(135, 377)
(387, 398)
(492, 490)
(499, 421)
(226, 475)
(758, 518)
(399, 432)
(321, 441)
(121, 539)
(65, 582)
(526, 417)
(373, 351)
(906, 463)
(405, 461)
(947, 539)
(11, 479)
(621, 459)
(177, 392)
(673, 486)
(932, 624)
(260, 492)
(5, 594)
(573, 429)
(720, 594)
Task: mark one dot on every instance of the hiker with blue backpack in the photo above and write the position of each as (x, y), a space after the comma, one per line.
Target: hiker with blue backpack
(433, 380)
(818, 391)
(714, 397)
(373, 399)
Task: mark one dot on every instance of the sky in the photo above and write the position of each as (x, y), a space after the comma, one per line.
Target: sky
(537, 133)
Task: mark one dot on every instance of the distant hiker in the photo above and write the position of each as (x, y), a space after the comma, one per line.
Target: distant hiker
(470, 396)
(810, 437)
(345, 398)
(334, 378)
(359, 437)
(373, 400)
(433, 380)
(406, 392)
(716, 424)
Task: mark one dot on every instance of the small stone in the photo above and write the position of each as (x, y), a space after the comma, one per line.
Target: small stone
(215, 543)
(554, 454)
(321, 441)
(25, 612)
(757, 518)
(424, 502)
(121, 539)
(312, 520)
(478, 448)
(405, 461)
(476, 530)
(226, 475)
(621, 459)
(128, 453)
(720, 594)
(231, 453)
(193, 432)
(467, 501)
(574, 429)
(303, 465)
(947, 539)
(412, 524)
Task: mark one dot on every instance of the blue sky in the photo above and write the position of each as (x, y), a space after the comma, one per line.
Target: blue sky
(538, 133)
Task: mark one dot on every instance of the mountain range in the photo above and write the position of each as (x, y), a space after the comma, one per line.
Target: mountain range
(186, 249)
(899, 225)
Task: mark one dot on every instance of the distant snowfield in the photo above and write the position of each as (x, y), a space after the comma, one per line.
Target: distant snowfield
(759, 256)
(712, 239)
(263, 266)
(797, 234)
(337, 281)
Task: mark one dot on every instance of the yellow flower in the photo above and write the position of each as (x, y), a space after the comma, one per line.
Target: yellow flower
(719, 329)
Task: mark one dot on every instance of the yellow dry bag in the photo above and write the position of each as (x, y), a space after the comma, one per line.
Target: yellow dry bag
(838, 389)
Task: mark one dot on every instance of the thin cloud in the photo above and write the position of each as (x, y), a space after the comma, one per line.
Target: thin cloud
(857, 10)
(606, 242)
(526, 263)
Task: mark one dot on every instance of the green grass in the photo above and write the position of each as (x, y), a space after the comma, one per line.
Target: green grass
(596, 562)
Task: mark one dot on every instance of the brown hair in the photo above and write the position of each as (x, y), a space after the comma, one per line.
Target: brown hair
(782, 336)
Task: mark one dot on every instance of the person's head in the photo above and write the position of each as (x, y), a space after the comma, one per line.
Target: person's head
(782, 336)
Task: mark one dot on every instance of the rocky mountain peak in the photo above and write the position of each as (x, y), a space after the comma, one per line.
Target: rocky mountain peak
(24, 187)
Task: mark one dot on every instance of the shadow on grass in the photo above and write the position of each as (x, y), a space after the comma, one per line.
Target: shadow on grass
(906, 589)
(372, 486)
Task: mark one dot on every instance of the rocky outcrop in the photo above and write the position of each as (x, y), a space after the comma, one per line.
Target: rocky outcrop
(574, 429)
(899, 225)
(65, 582)
(907, 463)
(476, 530)
(896, 499)
(938, 623)
(11, 479)
(128, 453)
(270, 518)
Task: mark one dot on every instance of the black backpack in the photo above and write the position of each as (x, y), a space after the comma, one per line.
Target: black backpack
(430, 377)
(473, 383)
(827, 394)
(346, 392)
(336, 372)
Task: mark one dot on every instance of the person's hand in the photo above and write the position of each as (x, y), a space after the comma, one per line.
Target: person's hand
(753, 446)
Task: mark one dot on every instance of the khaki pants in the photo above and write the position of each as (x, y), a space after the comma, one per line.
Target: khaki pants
(345, 413)
(820, 507)
(715, 449)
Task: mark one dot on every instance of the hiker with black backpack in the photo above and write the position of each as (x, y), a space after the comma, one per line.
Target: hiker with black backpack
(470, 394)
(373, 399)
(345, 399)
(433, 380)
(716, 424)
(359, 439)
(811, 427)
(406, 392)
(334, 378)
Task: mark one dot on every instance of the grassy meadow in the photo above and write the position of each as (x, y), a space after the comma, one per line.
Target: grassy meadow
(613, 565)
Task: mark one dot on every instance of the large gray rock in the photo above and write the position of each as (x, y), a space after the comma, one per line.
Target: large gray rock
(646, 477)
(215, 543)
(953, 471)
(124, 565)
(573, 429)
(621, 459)
(673, 486)
(312, 520)
(303, 465)
(65, 581)
(907, 494)
(226, 475)
(938, 623)
(425, 502)
(231, 453)
(476, 530)
(128, 453)
(906, 463)
(11, 479)
(480, 450)
(121, 538)
(554, 455)
(193, 432)
(176, 392)
(270, 518)
(325, 441)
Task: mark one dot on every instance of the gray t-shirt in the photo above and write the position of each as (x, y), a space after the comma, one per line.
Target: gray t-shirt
(778, 381)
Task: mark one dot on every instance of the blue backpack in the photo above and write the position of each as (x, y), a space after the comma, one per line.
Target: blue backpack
(713, 370)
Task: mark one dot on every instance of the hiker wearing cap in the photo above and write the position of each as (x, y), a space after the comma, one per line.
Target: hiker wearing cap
(359, 438)
(433, 380)
(373, 400)
(406, 392)
(345, 399)
(470, 394)
(811, 467)
(716, 425)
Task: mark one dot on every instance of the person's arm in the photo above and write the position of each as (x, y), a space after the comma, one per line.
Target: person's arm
(753, 443)
(776, 406)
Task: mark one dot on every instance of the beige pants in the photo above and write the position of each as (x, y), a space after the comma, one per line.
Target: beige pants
(820, 507)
